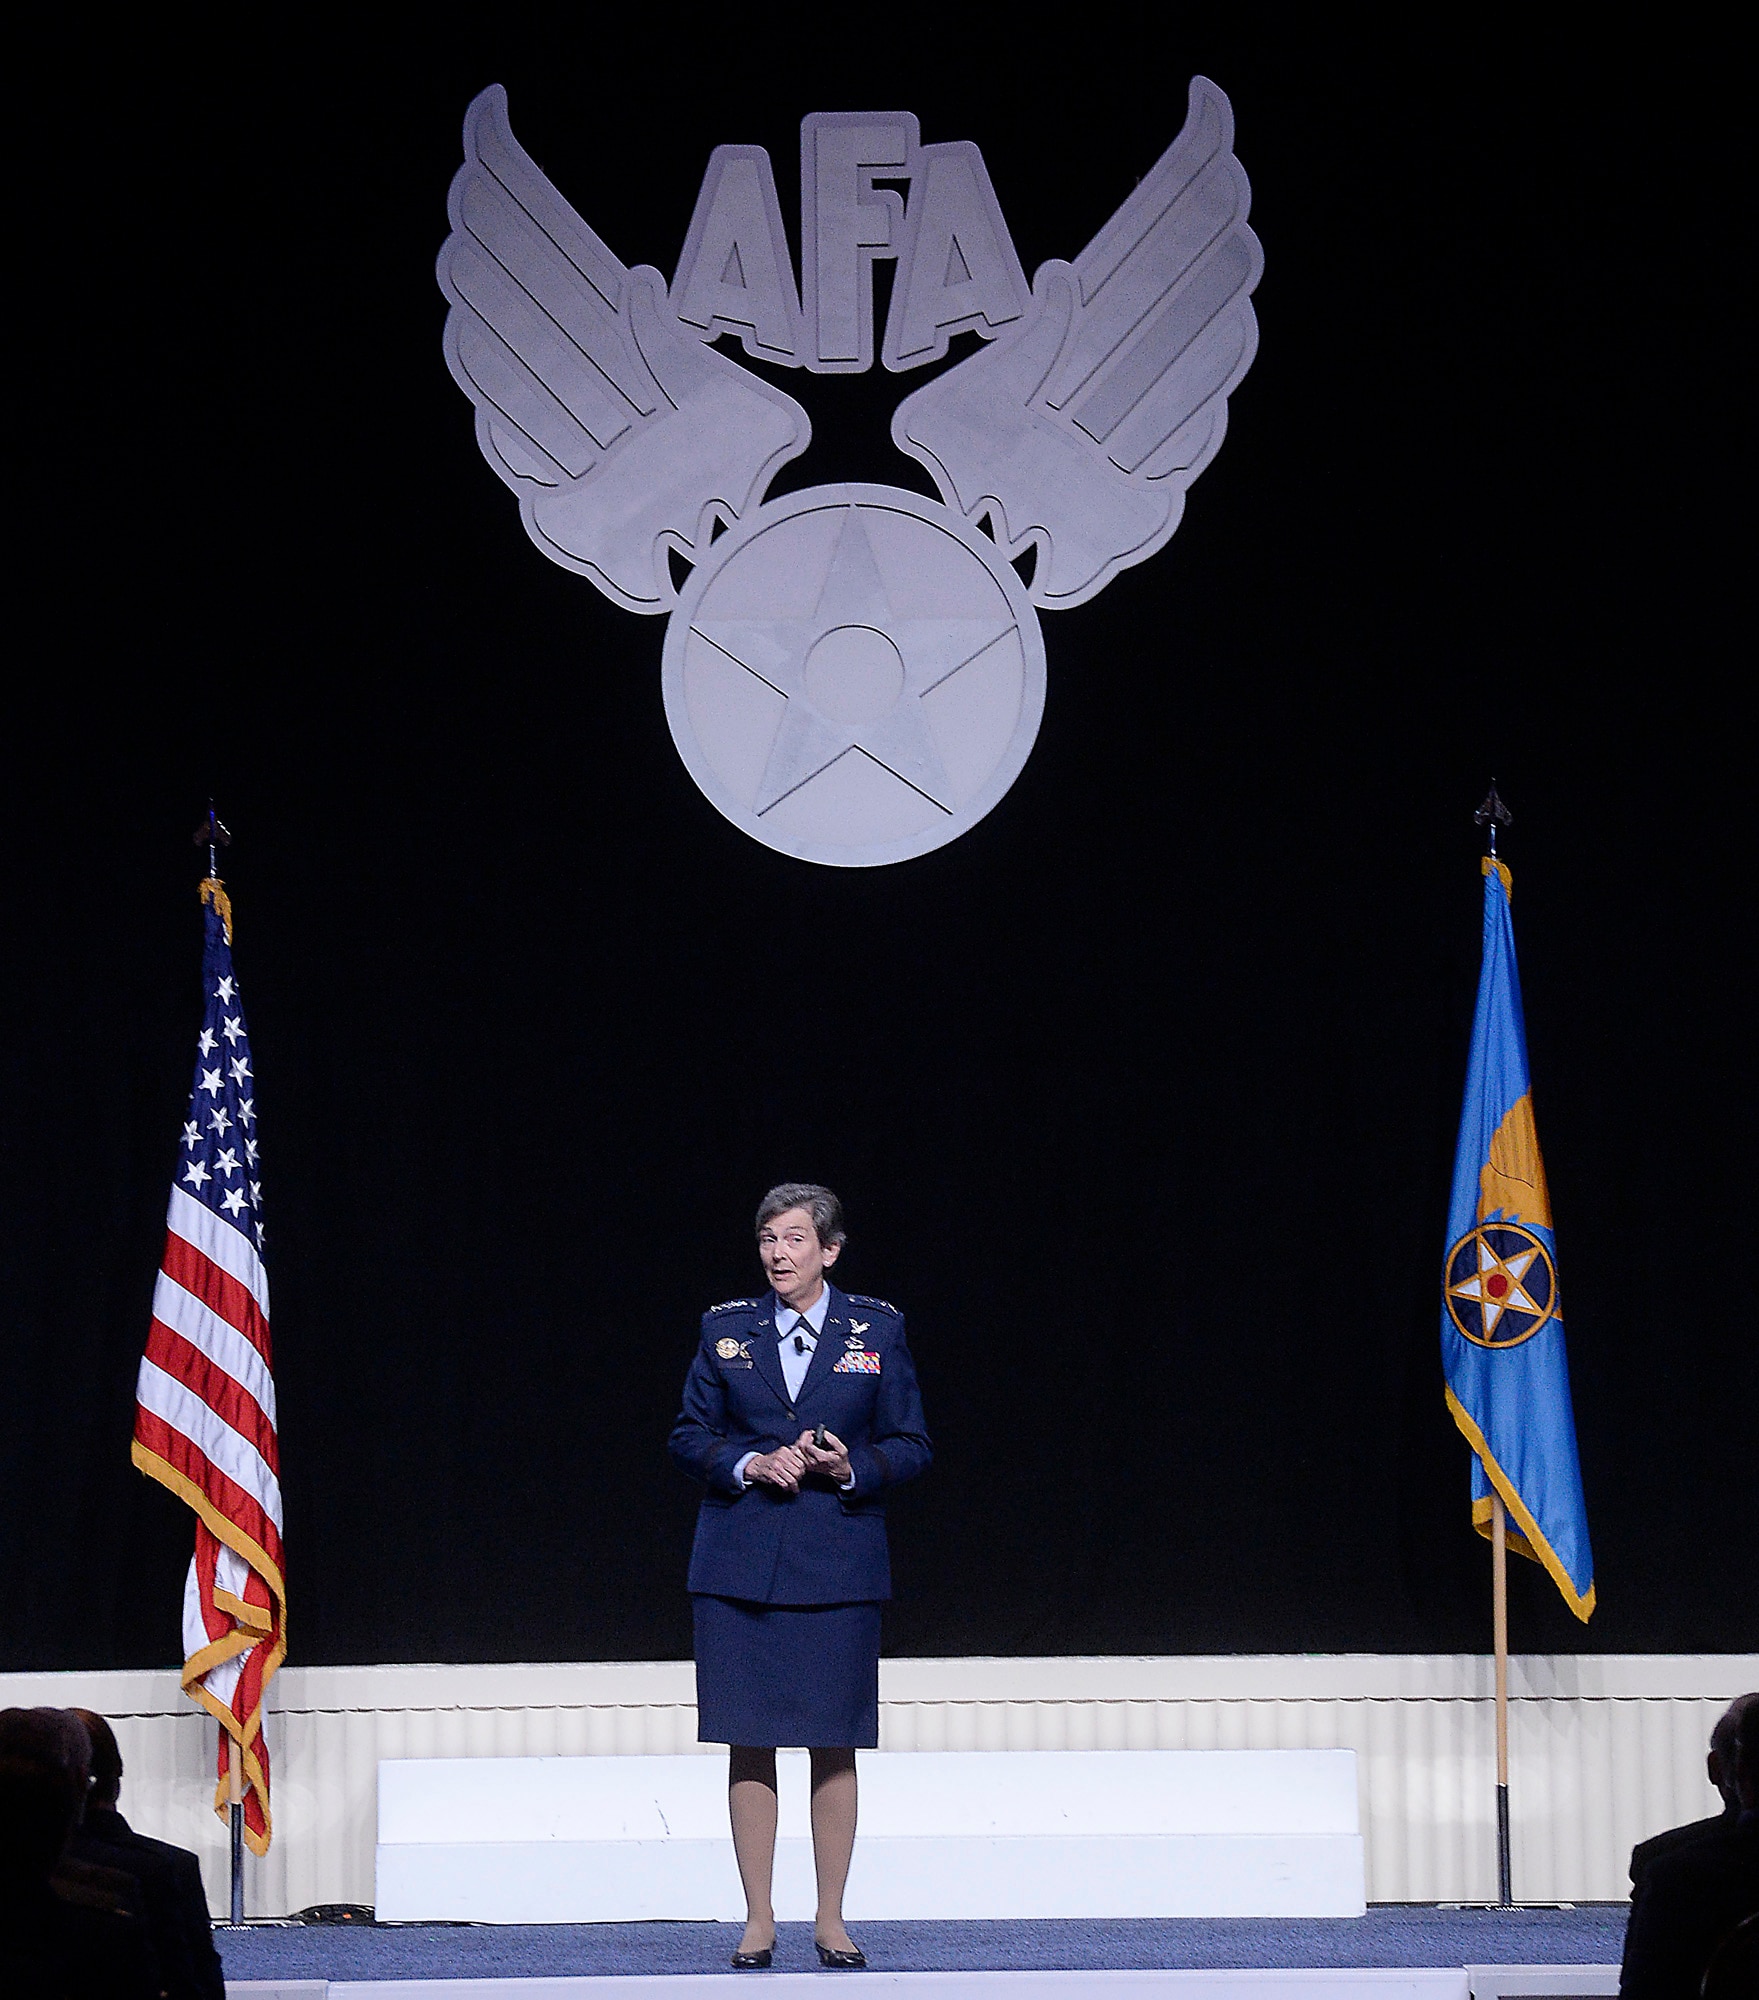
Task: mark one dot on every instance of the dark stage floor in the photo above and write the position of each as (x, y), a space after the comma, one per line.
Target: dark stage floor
(1391, 1934)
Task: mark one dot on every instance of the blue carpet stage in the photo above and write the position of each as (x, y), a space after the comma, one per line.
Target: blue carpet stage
(1389, 1936)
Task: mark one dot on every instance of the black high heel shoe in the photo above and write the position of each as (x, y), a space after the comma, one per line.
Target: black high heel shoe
(752, 1961)
(841, 1961)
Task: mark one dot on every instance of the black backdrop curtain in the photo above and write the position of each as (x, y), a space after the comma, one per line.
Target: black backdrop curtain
(1141, 1096)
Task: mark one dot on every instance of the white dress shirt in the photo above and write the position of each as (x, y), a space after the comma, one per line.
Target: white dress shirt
(796, 1338)
(797, 1335)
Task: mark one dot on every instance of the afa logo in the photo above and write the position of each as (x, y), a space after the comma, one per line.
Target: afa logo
(853, 674)
(1500, 1284)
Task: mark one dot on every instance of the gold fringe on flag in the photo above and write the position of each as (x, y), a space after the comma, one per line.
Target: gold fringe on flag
(213, 890)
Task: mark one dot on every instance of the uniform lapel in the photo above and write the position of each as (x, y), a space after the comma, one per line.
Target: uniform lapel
(829, 1350)
(763, 1352)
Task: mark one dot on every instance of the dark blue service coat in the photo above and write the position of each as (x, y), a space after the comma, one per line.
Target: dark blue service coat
(817, 1546)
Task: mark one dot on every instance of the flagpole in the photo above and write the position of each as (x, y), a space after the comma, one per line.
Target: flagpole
(213, 834)
(1499, 1618)
(1490, 815)
(235, 1812)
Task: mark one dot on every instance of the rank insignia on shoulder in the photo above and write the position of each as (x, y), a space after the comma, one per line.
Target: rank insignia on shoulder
(731, 1305)
(857, 1361)
(885, 1305)
(727, 1349)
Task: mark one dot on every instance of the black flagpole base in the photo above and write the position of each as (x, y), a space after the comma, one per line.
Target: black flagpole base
(237, 1815)
(1504, 1875)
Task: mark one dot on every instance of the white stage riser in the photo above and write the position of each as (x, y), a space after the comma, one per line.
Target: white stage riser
(1171, 1875)
(912, 1795)
(1605, 1749)
(948, 1834)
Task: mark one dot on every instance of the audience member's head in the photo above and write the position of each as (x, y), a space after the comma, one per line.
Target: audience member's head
(53, 1736)
(106, 1785)
(1720, 1764)
(1746, 1757)
(45, 1762)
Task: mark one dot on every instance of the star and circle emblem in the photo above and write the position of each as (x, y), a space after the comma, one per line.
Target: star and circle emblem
(855, 675)
(1500, 1284)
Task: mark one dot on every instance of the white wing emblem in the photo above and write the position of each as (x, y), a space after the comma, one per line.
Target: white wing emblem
(619, 430)
(1082, 428)
(856, 673)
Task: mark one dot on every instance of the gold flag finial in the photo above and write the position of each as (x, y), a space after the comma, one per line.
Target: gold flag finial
(213, 834)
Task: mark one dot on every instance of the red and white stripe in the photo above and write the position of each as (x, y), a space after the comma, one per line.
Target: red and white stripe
(205, 1427)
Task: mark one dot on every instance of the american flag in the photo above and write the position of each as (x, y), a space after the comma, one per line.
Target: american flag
(204, 1420)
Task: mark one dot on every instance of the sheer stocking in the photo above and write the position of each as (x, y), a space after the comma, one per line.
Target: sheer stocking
(751, 1805)
(833, 1840)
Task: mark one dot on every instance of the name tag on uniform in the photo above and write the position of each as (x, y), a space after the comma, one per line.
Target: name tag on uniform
(858, 1361)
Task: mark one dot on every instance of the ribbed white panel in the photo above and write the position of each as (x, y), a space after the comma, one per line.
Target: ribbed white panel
(1604, 1749)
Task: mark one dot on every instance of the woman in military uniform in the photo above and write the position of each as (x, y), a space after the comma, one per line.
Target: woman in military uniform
(800, 1409)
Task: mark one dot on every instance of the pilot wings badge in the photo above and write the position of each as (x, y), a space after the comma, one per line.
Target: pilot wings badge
(853, 674)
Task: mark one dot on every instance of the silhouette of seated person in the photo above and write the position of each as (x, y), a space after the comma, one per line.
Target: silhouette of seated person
(1719, 1767)
(1690, 1933)
(1733, 1971)
(172, 1901)
(68, 1930)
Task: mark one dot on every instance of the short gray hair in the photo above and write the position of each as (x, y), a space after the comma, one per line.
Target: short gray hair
(819, 1202)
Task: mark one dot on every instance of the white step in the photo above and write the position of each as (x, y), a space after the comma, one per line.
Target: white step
(944, 1834)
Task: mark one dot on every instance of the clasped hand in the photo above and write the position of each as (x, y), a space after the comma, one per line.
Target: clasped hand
(788, 1464)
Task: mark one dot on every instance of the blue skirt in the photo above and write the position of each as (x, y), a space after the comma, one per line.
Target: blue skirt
(794, 1676)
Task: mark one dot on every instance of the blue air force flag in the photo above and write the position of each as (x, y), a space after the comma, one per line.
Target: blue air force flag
(1502, 1329)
